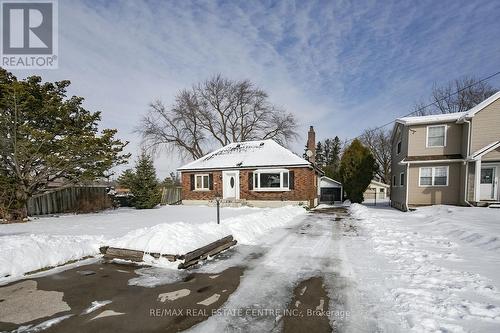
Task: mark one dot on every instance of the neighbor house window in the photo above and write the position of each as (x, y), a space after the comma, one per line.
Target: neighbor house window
(393, 180)
(271, 180)
(201, 182)
(433, 176)
(398, 151)
(436, 136)
(382, 190)
(402, 179)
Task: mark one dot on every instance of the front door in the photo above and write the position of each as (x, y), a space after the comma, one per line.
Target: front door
(231, 184)
(488, 183)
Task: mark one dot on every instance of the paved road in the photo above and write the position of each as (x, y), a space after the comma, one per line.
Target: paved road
(290, 283)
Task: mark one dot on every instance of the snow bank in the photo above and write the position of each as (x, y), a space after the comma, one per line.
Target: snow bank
(358, 211)
(22, 253)
(437, 269)
(170, 238)
(182, 237)
(118, 222)
(25, 253)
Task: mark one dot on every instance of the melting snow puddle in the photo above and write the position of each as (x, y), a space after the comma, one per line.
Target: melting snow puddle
(151, 277)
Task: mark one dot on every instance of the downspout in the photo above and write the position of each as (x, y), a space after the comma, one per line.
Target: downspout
(406, 184)
(467, 164)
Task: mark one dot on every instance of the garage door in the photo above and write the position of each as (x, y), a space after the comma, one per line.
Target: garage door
(330, 194)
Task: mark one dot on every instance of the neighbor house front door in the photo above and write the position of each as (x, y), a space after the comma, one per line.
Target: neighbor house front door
(489, 182)
(231, 184)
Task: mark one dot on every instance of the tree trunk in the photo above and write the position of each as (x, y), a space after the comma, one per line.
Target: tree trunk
(18, 210)
(16, 215)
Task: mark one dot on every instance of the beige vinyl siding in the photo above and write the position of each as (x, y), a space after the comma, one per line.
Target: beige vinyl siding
(465, 138)
(485, 126)
(461, 194)
(492, 155)
(418, 139)
(435, 195)
(398, 193)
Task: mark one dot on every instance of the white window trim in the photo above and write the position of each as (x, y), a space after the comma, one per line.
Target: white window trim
(432, 175)
(401, 174)
(445, 136)
(256, 180)
(202, 188)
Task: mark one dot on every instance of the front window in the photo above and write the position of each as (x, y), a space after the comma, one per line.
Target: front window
(440, 176)
(201, 182)
(425, 176)
(273, 180)
(399, 148)
(487, 176)
(436, 136)
(433, 176)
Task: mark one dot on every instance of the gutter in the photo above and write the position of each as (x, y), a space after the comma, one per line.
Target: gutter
(432, 161)
(248, 167)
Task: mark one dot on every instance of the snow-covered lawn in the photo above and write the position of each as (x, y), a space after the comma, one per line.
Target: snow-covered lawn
(433, 270)
(52, 241)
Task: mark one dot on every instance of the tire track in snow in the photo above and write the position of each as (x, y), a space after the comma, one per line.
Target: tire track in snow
(282, 260)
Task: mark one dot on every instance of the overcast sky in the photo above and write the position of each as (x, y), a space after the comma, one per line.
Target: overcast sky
(340, 66)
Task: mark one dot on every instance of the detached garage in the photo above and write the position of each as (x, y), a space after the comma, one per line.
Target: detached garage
(330, 190)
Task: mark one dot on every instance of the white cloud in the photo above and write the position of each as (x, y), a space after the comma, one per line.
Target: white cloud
(340, 66)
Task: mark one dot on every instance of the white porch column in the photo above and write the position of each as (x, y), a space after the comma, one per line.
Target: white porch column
(477, 181)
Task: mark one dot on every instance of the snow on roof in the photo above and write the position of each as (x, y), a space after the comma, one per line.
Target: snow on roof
(247, 154)
(328, 182)
(471, 112)
(448, 117)
(435, 118)
(379, 183)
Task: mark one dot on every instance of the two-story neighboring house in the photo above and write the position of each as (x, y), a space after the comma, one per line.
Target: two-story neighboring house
(448, 158)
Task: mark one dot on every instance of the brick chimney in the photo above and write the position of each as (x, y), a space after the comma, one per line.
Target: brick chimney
(311, 144)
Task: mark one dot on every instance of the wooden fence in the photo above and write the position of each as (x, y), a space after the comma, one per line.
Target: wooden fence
(171, 195)
(71, 199)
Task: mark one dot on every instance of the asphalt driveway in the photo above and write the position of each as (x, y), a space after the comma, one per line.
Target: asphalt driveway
(119, 298)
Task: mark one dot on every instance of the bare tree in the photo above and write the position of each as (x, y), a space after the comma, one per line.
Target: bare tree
(214, 113)
(456, 96)
(379, 142)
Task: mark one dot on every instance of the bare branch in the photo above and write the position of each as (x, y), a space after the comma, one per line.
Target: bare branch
(457, 96)
(214, 113)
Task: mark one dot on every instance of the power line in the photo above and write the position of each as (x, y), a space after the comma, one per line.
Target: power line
(433, 103)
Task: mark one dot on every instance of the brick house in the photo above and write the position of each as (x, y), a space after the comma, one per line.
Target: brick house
(254, 173)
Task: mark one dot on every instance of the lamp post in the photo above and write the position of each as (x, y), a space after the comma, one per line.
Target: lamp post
(217, 199)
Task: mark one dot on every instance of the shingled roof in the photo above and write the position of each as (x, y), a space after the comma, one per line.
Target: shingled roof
(248, 154)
